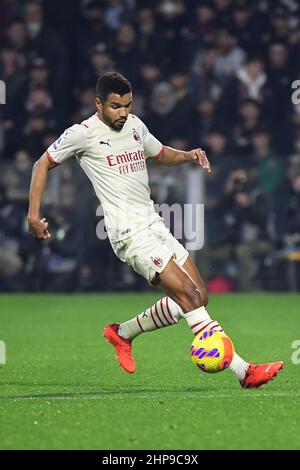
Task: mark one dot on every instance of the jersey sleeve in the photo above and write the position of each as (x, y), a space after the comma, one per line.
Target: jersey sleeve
(70, 143)
(152, 146)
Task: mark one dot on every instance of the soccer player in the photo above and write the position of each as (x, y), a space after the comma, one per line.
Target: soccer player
(112, 147)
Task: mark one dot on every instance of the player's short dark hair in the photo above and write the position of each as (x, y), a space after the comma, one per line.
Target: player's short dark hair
(112, 82)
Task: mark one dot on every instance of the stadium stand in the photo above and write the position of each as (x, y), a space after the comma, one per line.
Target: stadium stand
(216, 74)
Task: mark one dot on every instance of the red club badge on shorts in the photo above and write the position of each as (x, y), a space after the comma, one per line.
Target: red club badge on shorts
(157, 261)
(137, 136)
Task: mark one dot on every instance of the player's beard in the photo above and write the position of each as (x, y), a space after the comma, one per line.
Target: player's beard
(116, 125)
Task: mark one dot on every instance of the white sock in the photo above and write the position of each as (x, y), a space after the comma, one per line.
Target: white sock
(165, 312)
(199, 321)
(239, 366)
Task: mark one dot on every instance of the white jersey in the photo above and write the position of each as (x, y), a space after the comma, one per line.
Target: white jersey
(114, 161)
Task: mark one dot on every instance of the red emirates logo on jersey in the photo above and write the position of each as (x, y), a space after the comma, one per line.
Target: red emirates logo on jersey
(157, 261)
(136, 136)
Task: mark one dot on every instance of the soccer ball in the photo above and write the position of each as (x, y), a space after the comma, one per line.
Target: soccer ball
(212, 351)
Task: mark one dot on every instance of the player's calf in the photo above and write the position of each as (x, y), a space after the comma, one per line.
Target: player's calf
(165, 312)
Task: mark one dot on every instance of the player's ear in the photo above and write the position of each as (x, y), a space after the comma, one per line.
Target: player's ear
(98, 104)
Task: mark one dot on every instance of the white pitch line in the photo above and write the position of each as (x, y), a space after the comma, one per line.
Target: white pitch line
(149, 397)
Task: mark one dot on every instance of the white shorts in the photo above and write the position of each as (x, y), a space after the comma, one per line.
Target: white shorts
(149, 251)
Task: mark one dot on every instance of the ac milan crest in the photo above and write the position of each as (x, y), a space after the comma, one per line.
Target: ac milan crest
(136, 136)
(157, 261)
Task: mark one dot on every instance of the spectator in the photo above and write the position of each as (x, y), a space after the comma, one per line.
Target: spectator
(126, 52)
(86, 104)
(65, 250)
(13, 74)
(93, 30)
(247, 27)
(100, 61)
(17, 178)
(280, 26)
(13, 207)
(162, 119)
(267, 163)
(204, 25)
(243, 211)
(16, 38)
(38, 74)
(224, 10)
(204, 120)
(115, 13)
(171, 14)
(184, 99)
(218, 149)
(251, 80)
(287, 207)
(150, 76)
(230, 56)
(153, 45)
(205, 82)
(249, 114)
(222, 163)
(278, 100)
(45, 42)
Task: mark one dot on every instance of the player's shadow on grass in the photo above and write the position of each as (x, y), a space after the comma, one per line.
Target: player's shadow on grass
(106, 393)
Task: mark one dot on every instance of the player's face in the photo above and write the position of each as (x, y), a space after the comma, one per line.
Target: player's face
(114, 111)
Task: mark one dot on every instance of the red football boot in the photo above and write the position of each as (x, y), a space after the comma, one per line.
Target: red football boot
(260, 374)
(122, 346)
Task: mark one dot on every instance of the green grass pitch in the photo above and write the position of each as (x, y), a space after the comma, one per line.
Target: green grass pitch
(61, 387)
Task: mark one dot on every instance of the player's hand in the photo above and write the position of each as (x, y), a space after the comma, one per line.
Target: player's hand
(39, 228)
(199, 156)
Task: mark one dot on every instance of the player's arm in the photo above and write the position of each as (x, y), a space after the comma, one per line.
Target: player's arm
(72, 140)
(169, 157)
(37, 226)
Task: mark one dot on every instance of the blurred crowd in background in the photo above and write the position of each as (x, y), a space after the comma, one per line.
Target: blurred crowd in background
(214, 74)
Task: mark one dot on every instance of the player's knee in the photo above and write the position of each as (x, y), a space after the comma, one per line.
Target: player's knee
(193, 297)
(204, 295)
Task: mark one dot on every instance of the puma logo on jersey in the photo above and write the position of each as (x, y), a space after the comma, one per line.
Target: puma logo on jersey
(105, 143)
